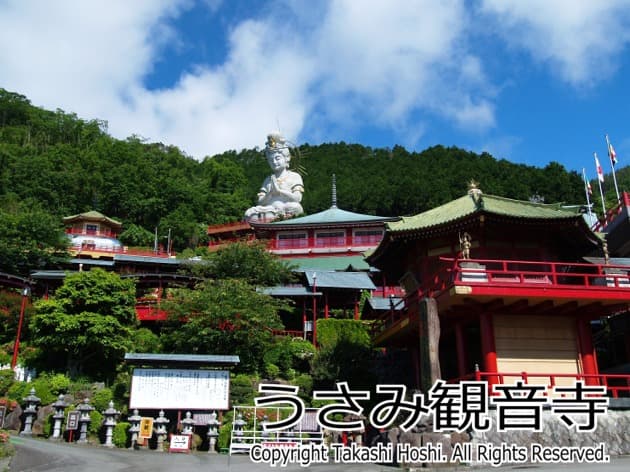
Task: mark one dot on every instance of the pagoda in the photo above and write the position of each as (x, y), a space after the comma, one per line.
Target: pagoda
(498, 289)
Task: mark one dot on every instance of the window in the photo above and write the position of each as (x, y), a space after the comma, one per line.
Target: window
(368, 236)
(292, 240)
(330, 238)
(91, 229)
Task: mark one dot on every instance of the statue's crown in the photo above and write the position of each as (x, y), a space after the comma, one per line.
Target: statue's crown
(275, 140)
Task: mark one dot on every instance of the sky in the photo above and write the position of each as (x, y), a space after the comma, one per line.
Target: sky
(528, 81)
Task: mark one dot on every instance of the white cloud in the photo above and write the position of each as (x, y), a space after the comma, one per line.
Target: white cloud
(391, 58)
(579, 39)
(349, 63)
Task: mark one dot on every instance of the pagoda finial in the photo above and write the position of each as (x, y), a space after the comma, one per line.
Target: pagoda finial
(334, 191)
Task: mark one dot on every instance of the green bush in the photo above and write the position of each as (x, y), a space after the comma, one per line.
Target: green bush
(18, 391)
(242, 389)
(59, 383)
(101, 398)
(225, 433)
(96, 422)
(7, 378)
(48, 425)
(120, 438)
(272, 371)
(305, 383)
(42, 389)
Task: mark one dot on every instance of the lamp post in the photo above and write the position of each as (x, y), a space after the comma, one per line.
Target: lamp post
(314, 309)
(16, 346)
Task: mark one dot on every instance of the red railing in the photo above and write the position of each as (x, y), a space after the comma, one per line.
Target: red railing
(612, 213)
(149, 310)
(608, 280)
(86, 232)
(321, 243)
(288, 332)
(88, 248)
(617, 385)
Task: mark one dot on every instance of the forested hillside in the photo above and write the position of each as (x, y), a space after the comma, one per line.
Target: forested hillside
(57, 163)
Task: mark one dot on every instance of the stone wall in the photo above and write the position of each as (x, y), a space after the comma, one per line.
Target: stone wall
(613, 429)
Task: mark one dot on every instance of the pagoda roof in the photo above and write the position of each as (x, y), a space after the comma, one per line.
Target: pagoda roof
(304, 264)
(489, 204)
(92, 216)
(332, 217)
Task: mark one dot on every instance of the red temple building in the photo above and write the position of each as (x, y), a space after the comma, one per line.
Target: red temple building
(511, 286)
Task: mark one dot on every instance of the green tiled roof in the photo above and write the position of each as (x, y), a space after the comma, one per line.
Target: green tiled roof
(92, 216)
(304, 264)
(333, 215)
(467, 205)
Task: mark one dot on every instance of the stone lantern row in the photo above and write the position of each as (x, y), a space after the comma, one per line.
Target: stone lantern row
(110, 416)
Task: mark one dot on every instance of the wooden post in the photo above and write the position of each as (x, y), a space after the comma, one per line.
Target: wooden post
(429, 331)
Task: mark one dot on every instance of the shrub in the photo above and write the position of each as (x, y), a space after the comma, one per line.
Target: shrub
(242, 390)
(59, 383)
(272, 371)
(95, 423)
(120, 438)
(225, 433)
(7, 378)
(101, 398)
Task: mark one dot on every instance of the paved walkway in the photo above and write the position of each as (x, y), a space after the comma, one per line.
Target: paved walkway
(36, 455)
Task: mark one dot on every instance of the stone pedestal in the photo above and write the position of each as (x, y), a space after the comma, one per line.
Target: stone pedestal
(213, 432)
(59, 406)
(30, 412)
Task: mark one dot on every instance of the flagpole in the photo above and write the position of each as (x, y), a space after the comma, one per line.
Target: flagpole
(588, 198)
(612, 164)
(600, 176)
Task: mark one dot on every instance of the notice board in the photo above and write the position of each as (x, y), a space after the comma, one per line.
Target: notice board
(179, 389)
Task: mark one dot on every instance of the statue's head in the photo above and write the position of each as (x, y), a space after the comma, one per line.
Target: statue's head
(277, 151)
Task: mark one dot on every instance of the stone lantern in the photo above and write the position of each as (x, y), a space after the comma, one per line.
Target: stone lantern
(30, 411)
(59, 406)
(188, 424)
(160, 430)
(213, 432)
(239, 423)
(109, 422)
(134, 429)
(84, 410)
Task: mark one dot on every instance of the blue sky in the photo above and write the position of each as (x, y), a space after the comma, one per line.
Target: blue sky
(528, 81)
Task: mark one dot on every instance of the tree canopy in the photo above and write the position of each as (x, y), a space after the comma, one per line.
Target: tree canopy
(86, 326)
(68, 165)
(223, 317)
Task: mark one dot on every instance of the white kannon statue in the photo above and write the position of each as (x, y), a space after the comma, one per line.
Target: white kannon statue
(281, 193)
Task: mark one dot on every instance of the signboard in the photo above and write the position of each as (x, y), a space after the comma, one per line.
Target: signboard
(179, 388)
(73, 421)
(179, 443)
(146, 428)
(3, 410)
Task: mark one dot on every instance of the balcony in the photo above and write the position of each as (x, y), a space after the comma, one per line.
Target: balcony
(527, 286)
(97, 251)
(86, 232)
(323, 245)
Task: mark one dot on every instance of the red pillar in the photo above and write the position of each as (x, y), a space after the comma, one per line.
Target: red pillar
(326, 305)
(460, 345)
(488, 349)
(587, 351)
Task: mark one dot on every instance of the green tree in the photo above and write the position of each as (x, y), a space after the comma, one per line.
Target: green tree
(345, 354)
(30, 238)
(86, 327)
(223, 317)
(250, 262)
